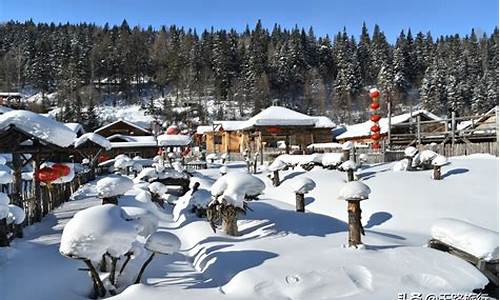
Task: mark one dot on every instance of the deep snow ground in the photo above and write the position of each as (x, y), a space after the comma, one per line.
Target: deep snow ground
(282, 254)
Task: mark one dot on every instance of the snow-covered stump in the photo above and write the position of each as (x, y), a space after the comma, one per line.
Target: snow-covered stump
(157, 190)
(110, 187)
(229, 193)
(437, 163)
(353, 192)
(410, 152)
(349, 167)
(16, 219)
(275, 167)
(161, 242)
(346, 150)
(301, 186)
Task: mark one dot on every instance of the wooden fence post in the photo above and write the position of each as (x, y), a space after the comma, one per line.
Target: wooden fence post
(453, 129)
(418, 130)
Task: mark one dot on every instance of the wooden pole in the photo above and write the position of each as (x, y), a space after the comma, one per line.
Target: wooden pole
(37, 211)
(437, 173)
(355, 229)
(4, 240)
(299, 202)
(389, 112)
(276, 178)
(453, 129)
(418, 130)
(17, 186)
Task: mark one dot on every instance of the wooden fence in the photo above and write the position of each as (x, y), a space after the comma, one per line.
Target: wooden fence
(50, 198)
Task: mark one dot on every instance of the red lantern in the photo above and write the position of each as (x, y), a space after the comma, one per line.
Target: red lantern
(274, 130)
(171, 130)
(375, 128)
(376, 145)
(375, 105)
(376, 136)
(375, 118)
(103, 158)
(47, 175)
(61, 169)
(374, 93)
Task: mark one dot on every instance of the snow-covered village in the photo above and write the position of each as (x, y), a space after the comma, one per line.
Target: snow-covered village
(300, 150)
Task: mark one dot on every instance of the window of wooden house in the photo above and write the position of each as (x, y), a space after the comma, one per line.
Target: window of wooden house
(218, 139)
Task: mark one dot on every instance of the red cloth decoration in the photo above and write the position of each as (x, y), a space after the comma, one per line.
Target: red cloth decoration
(375, 94)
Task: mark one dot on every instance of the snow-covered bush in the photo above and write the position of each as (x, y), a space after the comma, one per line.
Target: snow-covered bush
(6, 174)
(212, 157)
(157, 190)
(229, 193)
(146, 223)
(97, 231)
(223, 170)
(16, 215)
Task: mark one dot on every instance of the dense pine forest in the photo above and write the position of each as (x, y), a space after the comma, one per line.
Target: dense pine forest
(86, 64)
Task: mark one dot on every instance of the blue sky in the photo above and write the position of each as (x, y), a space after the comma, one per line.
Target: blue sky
(326, 16)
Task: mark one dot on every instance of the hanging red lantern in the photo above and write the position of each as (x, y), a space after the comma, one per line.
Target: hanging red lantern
(375, 105)
(375, 128)
(47, 175)
(62, 169)
(103, 157)
(376, 136)
(376, 145)
(172, 130)
(274, 130)
(374, 93)
(375, 118)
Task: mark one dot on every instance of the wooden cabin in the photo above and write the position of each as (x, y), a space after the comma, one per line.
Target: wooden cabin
(122, 127)
(403, 127)
(144, 146)
(267, 131)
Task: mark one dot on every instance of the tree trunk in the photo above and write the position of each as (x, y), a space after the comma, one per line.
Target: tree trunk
(146, 263)
(350, 175)
(229, 219)
(4, 240)
(437, 173)
(112, 273)
(355, 229)
(99, 290)
(345, 155)
(276, 178)
(299, 202)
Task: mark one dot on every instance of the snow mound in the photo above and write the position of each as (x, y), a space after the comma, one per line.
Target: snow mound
(158, 188)
(16, 215)
(348, 165)
(400, 166)
(146, 222)
(354, 190)
(470, 238)
(122, 162)
(6, 174)
(163, 242)
(235, 186)
(113, 185)
(223, 170)
(347, 146)
(411, 151)
(302, 185)
(439, 161)
(95, 138)
(96, 230)
(43, 128)
(331, 159)
(4, 205)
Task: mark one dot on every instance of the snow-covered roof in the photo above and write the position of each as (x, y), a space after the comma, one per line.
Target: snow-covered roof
(467, 124)
(43, 128)
(133, 141)
(123, 121)
(363, 129)
(174, 140)
(10, 94)
(204, 129)
(277, 116)
(95, 138)
(75, 127)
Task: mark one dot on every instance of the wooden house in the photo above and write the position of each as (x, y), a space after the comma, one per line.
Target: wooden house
(122, 127)
(267, 130)
(403, 127)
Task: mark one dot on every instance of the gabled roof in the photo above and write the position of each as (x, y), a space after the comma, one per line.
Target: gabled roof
(132, 141)
(278, 116)
(125, 122)
(75, 127)
(363, 129)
